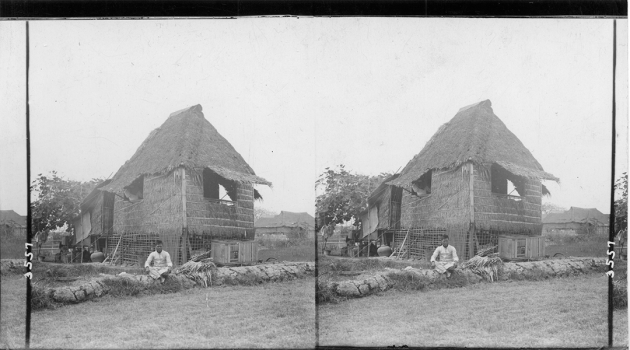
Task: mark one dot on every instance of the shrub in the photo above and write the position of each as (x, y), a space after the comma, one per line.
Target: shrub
(243, 280)
(620, 294)
(408, 281)
(41, 298)
(122, 287)
(325, 292)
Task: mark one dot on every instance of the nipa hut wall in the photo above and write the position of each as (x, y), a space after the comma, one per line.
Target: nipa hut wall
(159, 212)
(216, 218)
(447, 205)
(96, 216)
(500, 213)
(383, 204)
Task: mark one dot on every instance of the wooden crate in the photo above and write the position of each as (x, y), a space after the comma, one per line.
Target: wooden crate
(235, 252)
(521, 247)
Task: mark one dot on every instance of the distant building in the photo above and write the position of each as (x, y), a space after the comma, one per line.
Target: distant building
(577, 220)
(12, 223)
(289, 224)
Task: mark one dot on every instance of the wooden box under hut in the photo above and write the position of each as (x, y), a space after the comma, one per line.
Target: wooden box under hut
(513, 247)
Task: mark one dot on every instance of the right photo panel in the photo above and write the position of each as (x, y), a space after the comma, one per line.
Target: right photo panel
(464, 182)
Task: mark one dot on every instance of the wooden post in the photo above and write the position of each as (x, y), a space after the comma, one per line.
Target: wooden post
(472, 192)
(471, 227)
(184, 239)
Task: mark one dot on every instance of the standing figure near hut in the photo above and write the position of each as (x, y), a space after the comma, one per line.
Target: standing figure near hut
(447, 258)
(161, 263)
(86, 255)
(373, 249)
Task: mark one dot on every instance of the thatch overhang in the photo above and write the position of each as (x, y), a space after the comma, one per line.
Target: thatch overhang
(474, 135)
(90, 199)
(188, 140)
(376, 194)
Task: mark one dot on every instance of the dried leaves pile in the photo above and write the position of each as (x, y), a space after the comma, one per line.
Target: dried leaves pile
(485, 264)
(199, 269)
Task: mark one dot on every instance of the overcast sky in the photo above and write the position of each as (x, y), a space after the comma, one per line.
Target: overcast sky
(297, 95)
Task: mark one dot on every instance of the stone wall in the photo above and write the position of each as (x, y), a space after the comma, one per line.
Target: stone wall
(381, 282)
(80, 291)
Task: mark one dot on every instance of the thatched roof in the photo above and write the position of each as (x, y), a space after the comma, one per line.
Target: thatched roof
(380, 190)
(91, 198)
(577, 215)
(474, 134)
(186, 139)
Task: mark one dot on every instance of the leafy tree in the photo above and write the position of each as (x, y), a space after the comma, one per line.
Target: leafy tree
(344, 198)
(551, 208)
(263, 213)
(58, 201)
(621, 206)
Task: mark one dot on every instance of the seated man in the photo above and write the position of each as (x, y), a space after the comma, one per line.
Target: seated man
(161, 263)
(447, 258)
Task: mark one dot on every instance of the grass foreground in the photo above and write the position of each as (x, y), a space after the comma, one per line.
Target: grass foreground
(271, 315)
(559, 312)
(13, 311)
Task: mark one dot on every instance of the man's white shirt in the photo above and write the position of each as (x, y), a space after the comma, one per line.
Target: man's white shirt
(162, 259)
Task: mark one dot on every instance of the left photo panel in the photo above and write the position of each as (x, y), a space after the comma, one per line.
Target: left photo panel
(170, 185)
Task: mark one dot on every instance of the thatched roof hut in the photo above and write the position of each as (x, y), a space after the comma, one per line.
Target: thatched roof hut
(185, 185)
(383, 210)
(475, 180)
(12, 222)
(290, 224)
(186, 140)
(577, 220)
(474, 135)
(96, 217)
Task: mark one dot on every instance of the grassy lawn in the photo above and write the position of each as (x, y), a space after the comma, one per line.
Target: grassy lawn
(576, 245)
(272, 315)
(620, 328)
(302, 252)
(562, 312)
(13, 311)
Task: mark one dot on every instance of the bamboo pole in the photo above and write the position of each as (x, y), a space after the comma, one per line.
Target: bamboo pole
(184, 219)
(114, 254)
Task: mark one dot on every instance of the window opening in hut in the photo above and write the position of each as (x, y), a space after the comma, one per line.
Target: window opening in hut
(233, 252)
(422, 186)
(135, 191)
(218, 188)
(520, 248)
(506, 183)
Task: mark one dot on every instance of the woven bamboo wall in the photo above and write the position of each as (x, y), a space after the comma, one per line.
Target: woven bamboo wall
(234, 221)
(383, 208)
(96, 217)
(421, 242)
(159, 212)
(496, 212)
(447, 205)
